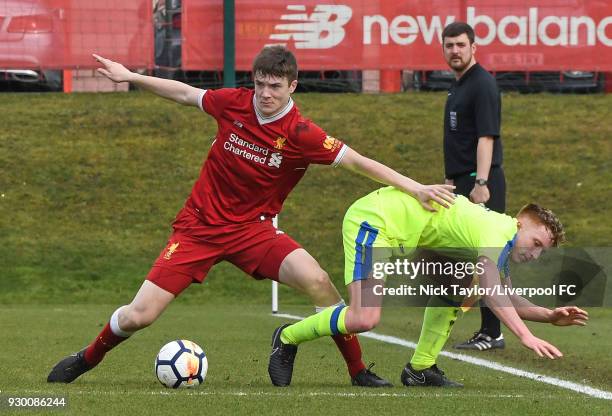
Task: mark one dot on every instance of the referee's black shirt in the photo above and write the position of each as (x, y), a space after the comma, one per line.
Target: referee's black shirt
(473, 110)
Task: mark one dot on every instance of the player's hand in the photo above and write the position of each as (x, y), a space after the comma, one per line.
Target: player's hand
(480, 194)
(113, 70)
(541, 347)
(442, 194)
(569, 315)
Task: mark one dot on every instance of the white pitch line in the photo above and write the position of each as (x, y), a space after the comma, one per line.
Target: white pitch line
(171, 392)
(580, 388)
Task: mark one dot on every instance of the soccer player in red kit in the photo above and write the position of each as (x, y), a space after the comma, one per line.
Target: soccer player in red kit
(262, 149)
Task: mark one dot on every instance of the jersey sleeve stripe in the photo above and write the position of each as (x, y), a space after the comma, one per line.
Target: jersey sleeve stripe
(340, 155)
(201, 99)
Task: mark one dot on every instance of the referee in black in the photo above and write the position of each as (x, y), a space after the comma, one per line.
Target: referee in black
(472, 146)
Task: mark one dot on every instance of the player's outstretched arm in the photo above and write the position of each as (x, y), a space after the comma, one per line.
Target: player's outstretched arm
(569, 315)
(562, 316)
(170, 89)
(502, 307)
(441, 194)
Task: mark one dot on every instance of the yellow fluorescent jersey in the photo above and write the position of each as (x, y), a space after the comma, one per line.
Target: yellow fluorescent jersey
(464, 224)
(389, 217)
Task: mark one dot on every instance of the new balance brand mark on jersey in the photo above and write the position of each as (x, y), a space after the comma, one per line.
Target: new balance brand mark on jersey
(275, 160)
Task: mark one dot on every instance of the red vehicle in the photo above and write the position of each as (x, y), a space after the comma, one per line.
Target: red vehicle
(31, 32)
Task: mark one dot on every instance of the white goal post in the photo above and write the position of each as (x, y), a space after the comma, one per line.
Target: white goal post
(274, 282)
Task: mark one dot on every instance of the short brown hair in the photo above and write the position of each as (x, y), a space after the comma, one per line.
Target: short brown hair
(547, 218)
(458, 28)
(276, 61)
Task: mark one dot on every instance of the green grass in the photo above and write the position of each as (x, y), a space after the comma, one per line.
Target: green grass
(89, 184)
(236, 341)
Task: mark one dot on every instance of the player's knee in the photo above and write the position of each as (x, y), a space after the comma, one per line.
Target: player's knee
(138, 317)
(319, 282)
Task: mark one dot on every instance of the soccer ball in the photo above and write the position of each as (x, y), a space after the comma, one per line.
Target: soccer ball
(181, 363)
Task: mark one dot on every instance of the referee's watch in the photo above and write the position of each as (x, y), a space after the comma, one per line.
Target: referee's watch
(481, 182)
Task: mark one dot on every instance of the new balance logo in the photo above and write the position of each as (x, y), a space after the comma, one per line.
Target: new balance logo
(275, 160)
(322, 29)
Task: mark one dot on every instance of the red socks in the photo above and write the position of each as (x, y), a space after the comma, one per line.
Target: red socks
(107, 340)
(103, 343)
(351, 351)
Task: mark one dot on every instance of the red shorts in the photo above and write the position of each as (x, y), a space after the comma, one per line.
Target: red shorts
(257, 248)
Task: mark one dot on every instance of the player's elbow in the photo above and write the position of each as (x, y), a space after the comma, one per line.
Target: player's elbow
(353, 161)
(181, 98)
(367, 320)
(180, 93)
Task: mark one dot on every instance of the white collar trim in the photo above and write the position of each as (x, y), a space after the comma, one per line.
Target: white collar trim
(269, 119)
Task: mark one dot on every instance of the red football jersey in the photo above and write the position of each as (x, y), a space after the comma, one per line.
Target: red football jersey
(255, 161)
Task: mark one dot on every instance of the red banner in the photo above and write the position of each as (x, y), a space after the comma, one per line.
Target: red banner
(519, 35)
(57, 34)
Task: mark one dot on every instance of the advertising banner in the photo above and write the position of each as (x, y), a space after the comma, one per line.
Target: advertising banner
(357, 34)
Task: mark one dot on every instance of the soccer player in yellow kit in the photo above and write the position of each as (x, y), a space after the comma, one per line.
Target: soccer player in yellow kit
(387, 219)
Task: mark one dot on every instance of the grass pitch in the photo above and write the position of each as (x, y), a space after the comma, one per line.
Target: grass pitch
(89, 184)
(237, 343)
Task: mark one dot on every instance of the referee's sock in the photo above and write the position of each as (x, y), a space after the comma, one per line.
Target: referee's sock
(489, 323)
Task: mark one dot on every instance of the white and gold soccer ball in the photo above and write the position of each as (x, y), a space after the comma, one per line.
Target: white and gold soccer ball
(181, 363)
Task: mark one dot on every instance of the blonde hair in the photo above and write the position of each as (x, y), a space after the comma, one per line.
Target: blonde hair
(547, 218)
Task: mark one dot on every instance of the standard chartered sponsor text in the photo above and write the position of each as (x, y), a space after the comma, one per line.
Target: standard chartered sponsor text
(246, 150)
